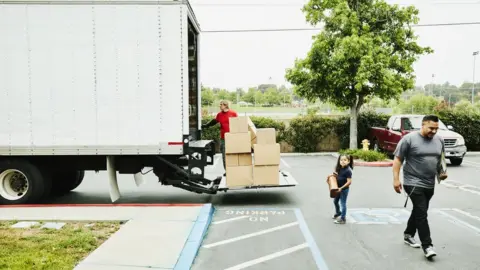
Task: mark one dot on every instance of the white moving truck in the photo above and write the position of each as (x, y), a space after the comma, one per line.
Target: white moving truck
(100, 85)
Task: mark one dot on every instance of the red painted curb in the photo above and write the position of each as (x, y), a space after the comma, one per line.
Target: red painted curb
(373, 164)
(105, 205)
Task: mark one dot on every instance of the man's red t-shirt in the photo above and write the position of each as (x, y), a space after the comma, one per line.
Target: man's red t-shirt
(223, 119)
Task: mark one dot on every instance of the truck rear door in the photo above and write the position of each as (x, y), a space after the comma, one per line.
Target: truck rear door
(194, 92)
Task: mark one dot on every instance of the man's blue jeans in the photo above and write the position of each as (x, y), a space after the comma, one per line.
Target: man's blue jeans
(342, 198)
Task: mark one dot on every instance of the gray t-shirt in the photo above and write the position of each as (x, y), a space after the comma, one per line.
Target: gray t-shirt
(422, 158)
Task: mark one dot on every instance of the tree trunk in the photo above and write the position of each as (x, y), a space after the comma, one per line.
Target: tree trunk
(353, 127)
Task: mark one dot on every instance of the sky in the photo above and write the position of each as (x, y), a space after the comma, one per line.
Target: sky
(232, 60)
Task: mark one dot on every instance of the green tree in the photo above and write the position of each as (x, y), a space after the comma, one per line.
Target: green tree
(259, 98)
(271, 96)
(250, 95)
(223, 94)
(367, 48)
(208, 97)
(418, 104)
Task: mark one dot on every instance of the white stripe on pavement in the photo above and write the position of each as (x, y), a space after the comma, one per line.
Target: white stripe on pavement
(466, 214)
(268, 257)
(460, 222)
(235, 239)
(229, 220)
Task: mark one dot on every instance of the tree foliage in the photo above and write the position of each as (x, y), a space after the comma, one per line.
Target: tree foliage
(367, 48)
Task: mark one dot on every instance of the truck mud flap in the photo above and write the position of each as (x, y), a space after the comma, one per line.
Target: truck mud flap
(285, 180)
(112, 179)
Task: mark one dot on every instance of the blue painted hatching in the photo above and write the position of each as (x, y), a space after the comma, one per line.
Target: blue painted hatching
(194, 241)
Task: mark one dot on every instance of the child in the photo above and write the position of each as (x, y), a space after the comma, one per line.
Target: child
(343, 170)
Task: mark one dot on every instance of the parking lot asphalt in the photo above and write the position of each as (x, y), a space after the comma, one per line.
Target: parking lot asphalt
(371, 239)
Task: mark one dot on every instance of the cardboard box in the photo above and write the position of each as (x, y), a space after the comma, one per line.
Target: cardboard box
(266, 154)
(266, 175)
(245, 159)
(239, 176)
(238, 124)
(253, 131)
(233, 160)
(237, 143)
(266, 136)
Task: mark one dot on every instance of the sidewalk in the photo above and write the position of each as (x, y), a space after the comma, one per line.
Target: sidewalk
(154, 236)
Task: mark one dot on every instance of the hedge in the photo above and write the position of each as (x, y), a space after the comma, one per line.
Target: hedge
(305, 132)
(466, 124)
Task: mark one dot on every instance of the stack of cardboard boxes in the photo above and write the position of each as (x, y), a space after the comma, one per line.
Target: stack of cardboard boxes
(242, 169)
(267, 157)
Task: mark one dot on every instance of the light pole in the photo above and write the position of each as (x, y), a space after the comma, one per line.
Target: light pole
(473, 86)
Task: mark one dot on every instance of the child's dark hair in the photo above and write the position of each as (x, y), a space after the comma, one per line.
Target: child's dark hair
(338, 166)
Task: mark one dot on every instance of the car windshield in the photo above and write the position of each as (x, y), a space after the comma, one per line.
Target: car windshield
(416, 123)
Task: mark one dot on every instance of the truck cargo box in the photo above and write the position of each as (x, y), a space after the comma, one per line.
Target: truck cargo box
(97, 77)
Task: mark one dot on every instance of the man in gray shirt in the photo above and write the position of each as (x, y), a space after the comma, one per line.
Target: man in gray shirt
(421, 151)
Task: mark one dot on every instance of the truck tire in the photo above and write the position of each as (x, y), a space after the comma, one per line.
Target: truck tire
(21, 182)
(64, 182)
(456, 161)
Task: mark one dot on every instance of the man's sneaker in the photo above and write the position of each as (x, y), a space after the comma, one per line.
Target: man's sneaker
(340, 221)
(409, 240)
(429, 252)
(335, 216)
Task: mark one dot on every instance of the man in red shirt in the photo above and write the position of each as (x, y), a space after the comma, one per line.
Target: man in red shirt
(224, 121)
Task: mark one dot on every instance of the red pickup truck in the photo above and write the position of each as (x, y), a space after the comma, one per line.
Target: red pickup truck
(386, 138)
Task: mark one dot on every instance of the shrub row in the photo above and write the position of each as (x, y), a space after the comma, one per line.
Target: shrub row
(305, 132)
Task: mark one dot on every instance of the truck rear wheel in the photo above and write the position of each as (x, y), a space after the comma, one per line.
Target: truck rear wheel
(64, 182)
(21, 182)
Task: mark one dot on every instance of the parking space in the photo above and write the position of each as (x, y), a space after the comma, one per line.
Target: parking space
(246, 235)
(258, 239)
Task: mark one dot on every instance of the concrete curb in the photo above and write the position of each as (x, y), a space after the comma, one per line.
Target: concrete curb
(298, 154)
(373, 164)
(103, 205)
(307, 154)
(335, 154)
(194, 240)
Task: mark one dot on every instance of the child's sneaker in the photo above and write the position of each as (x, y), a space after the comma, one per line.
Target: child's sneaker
(340, 221)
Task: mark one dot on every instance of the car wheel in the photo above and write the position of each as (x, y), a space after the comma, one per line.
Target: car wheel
(456, 161)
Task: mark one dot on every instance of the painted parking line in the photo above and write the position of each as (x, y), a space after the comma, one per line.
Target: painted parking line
(268, 257)
(231, 240)
(458, 221)
(461, 186)
(229, 220)
(241, 238)
(471, 163)
(317, 255)
(396, 216)
(466, 214)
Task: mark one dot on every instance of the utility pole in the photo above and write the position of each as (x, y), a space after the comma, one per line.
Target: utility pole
(473, 86)
(431, 85)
